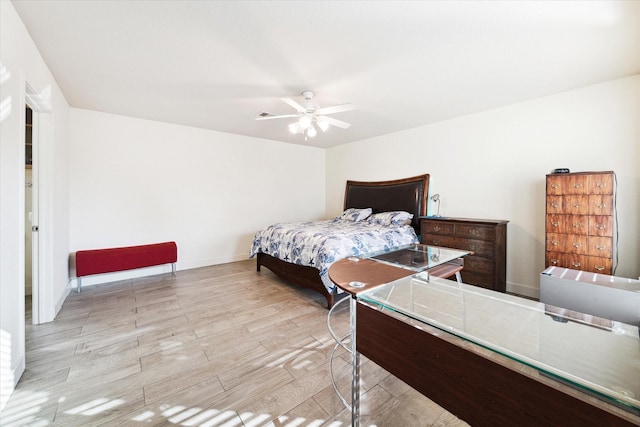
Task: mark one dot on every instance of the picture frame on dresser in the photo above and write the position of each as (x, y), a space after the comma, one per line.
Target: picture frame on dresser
(486, 238)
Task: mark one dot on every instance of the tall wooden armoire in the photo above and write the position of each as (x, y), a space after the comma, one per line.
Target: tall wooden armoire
(580, 221)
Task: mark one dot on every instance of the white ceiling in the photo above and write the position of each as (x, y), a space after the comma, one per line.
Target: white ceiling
(216, 64)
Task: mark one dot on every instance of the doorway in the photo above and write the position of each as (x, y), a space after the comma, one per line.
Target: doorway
(28, 220)
(38, 116)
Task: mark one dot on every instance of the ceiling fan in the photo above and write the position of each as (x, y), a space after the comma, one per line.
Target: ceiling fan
(310, 116)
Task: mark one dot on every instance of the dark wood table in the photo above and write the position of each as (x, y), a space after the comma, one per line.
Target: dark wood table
(372, 273)
(480, 388)
(356, 275)
(477, 385)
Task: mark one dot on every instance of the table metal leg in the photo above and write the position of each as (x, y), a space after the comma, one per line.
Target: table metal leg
(355, 367)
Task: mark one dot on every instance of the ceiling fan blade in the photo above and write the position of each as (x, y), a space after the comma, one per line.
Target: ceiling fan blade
(335, 109)
(336, 122)
(299, 108)
(269, 116)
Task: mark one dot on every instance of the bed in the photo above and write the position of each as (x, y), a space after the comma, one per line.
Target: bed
(384, 198)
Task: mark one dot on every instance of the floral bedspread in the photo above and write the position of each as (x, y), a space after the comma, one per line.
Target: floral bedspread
(321, 243)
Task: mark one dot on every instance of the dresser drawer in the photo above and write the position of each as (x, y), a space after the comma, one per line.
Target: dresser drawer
(601, 183)
(576, 184)
(556, 223)
(555, 259)
(577, 224)
(475, 231)
(477, 264)
(577, 244)
(478, 247)
(576, 204)
(556, 242)
(436, 240)
(555, 204)
(436, 227)
(600, 204)
(600, 246)
(599, 265)
(600, 225)
(575, 261)
(555, 184)
(482, 280)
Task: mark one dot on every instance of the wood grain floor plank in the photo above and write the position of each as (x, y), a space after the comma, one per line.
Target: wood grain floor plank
(213, 346)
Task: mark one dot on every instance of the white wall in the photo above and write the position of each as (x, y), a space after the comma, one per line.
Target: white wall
(137, 181)
(493, 165)
(21, 64)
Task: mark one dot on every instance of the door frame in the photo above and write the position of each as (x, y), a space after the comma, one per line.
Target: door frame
(41, 127)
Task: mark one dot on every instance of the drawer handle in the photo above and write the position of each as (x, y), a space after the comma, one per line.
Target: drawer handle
(436, 228)
(436, 242)
(473, 247)
(473, 264)
(601, 184)
(554, 204)
(576, 205)
(600, 226)
(554, 261)
(576, 225)
(555, 186)
(577, 185)
(555, 242)
(577, 244)
(599, 267)
(555, 224)
(474, 232)
(601, 248)
(575, 264)
(601, 205)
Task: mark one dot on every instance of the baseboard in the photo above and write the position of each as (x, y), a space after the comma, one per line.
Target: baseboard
(98, 279)
(524, 290)
(150, 271)
(188, 265)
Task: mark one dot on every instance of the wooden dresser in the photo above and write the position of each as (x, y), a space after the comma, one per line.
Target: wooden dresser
(487, 238)
(580, 222)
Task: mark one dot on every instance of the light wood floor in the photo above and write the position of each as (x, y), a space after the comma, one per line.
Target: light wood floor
(214, 346)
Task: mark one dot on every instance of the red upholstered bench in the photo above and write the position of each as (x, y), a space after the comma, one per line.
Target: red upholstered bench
(98, 261)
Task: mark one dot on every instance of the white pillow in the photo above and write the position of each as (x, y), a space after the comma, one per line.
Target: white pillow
(355, 215)
(391, 218)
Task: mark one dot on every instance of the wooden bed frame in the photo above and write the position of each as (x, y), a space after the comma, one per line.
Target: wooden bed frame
(407, 194)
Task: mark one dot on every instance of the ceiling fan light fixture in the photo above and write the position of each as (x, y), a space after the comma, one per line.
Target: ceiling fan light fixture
(309, 117)
(311, 131)
(294, 127)
(323, 125)
(305, 121)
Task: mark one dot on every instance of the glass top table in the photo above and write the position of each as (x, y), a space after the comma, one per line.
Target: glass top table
(417, 257)
(601, 361)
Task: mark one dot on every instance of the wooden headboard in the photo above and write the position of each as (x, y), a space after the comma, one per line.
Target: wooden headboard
(407, 194)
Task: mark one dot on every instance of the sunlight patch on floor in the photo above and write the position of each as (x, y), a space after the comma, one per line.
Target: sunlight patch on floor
(95, 407)
(24, 408)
